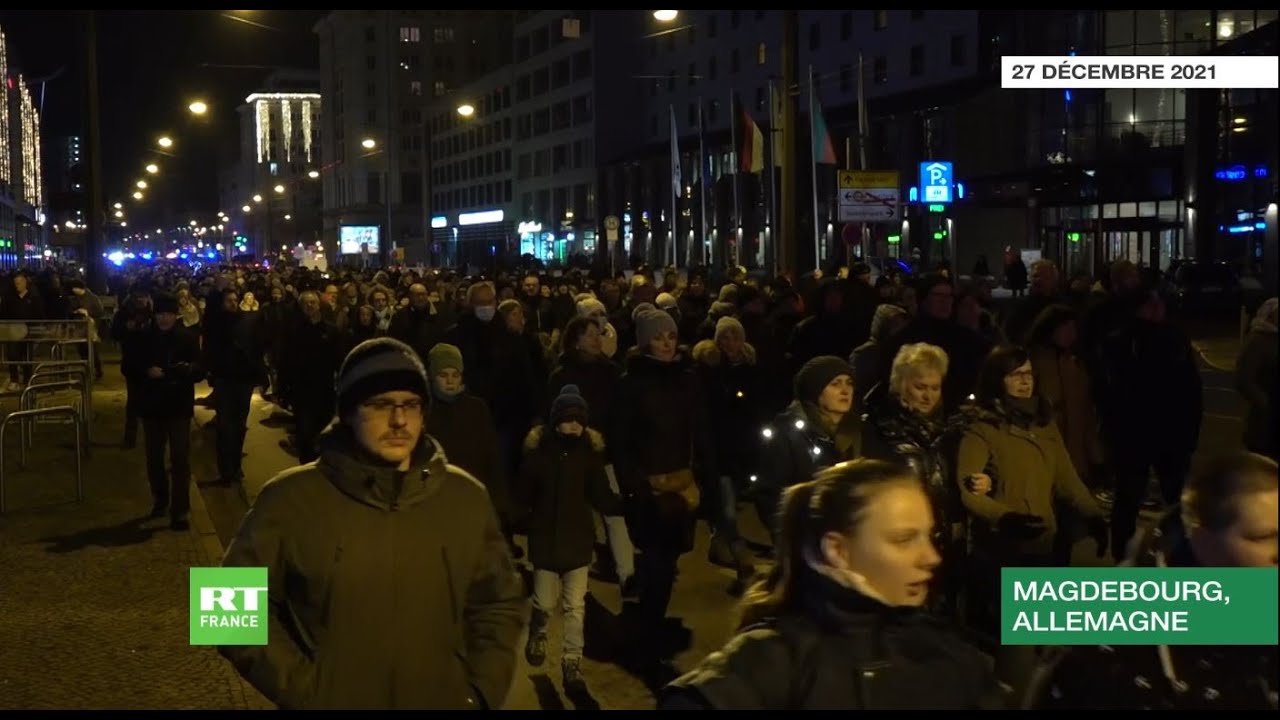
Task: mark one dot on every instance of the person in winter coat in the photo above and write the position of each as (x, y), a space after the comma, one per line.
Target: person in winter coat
(312, 358)
(128, 328)
(837, 624)
(562, 479)
(732, 383)
(583, 364)
(164, 371)
(865, 359)
(421, 325)
(905, 422)
(1151, 413)
(1227, 518)
(389, 583)
(364, 326)
(694, 303)
(663, 454)
(21, 304)
(1063, 380)
(1045, 291)
(592, 309)
(817, 430)
(1012, 439)
(827, 332)
(1256, 379)
(85, 304)
(461, 423)
(234, 356)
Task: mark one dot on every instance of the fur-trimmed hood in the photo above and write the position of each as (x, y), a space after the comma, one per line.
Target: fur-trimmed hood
(534, 439)
(706, 352)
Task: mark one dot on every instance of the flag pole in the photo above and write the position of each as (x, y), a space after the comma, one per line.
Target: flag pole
(813, 151)
(774, 224)
(669, 254)
(702, 183)
(737, 168)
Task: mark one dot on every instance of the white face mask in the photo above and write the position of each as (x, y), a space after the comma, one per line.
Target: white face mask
(484, 313)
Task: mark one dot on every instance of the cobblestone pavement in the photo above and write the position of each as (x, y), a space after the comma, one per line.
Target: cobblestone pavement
(93, 596)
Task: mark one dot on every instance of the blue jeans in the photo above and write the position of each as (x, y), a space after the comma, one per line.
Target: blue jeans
(571, 587)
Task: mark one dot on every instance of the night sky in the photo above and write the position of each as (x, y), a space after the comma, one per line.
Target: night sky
(151, 65)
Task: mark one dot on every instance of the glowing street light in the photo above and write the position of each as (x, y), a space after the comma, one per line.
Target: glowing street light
(313, 174)
(119, 213)
(165, 142)
(368, 144)
(466, 110)
(137, 194)
(665, 15)
(246, 208)
(142, 184)
(257, 198)
(288, 217)
(279, 189)
(198, 107)
(192, 223)
(117, 206)
(153, 168)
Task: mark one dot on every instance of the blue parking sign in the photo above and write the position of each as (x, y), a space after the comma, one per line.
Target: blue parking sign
(935, 181)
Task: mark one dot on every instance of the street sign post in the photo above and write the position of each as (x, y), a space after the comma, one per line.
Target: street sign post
(936, 180)
(868, 196)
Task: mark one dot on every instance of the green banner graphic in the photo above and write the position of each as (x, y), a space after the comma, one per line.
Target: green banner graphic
(1138, 606)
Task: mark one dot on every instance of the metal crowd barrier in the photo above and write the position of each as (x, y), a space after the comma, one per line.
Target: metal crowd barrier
(24, 415)
(27, 402)
(56, 335)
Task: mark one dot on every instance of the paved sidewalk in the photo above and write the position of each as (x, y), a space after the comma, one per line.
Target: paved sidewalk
(93, 597)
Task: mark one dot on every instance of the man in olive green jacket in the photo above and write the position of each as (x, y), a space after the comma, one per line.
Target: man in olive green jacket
(390, 585)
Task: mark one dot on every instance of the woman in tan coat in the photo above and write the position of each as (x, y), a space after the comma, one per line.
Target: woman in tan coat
(1062, 380)
(1013, 439)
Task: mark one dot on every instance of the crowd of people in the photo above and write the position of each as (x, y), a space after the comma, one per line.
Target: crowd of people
(901, 440)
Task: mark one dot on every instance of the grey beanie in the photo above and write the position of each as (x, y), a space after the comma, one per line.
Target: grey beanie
(650, 324)
(378, 366)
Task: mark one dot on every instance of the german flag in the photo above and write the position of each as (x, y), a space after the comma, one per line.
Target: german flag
(750, 142)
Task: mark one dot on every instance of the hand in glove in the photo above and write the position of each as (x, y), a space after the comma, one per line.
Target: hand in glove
(1100, 533)
(1021, 526)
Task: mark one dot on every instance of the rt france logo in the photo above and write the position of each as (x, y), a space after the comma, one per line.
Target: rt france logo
(228, 606)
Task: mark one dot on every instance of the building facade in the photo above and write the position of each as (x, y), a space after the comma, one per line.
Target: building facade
(379, 69)
(277, 176)
(520, 176)
(21, 182)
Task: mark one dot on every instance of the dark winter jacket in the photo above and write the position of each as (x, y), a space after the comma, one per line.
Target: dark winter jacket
(693, 311)
(890, 431)
(795, 446)
(464, 428)
(25, 307)
(561, 481)
(1134, 677)
(597, 380)
(177, 354)
(734, 406)
(1153, 397)
(386, 589)
(235, 347)
(840, 650)
(660, 423)
(499, 371)
(419, 329)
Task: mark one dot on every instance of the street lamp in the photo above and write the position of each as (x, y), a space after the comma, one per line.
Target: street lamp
(368, 144)
(665, 15)
(165, 142)
(192, 223)
(119, 213)
(141, 184)
(313, 174)
(257, 198)
(288, 216)
(246, 208)
(198, 107)
(466, 109)
(279, 189)
(153, 168)
(137, 194)
(117, 206)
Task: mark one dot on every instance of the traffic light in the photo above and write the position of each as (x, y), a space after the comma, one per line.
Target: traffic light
(939, 234)
(1073, 237)
(893, 239)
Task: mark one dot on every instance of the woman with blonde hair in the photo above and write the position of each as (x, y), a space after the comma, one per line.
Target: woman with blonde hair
(837, 623)
(906, 421)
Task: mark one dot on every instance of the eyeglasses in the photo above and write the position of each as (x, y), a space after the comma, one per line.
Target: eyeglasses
(387, 408)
